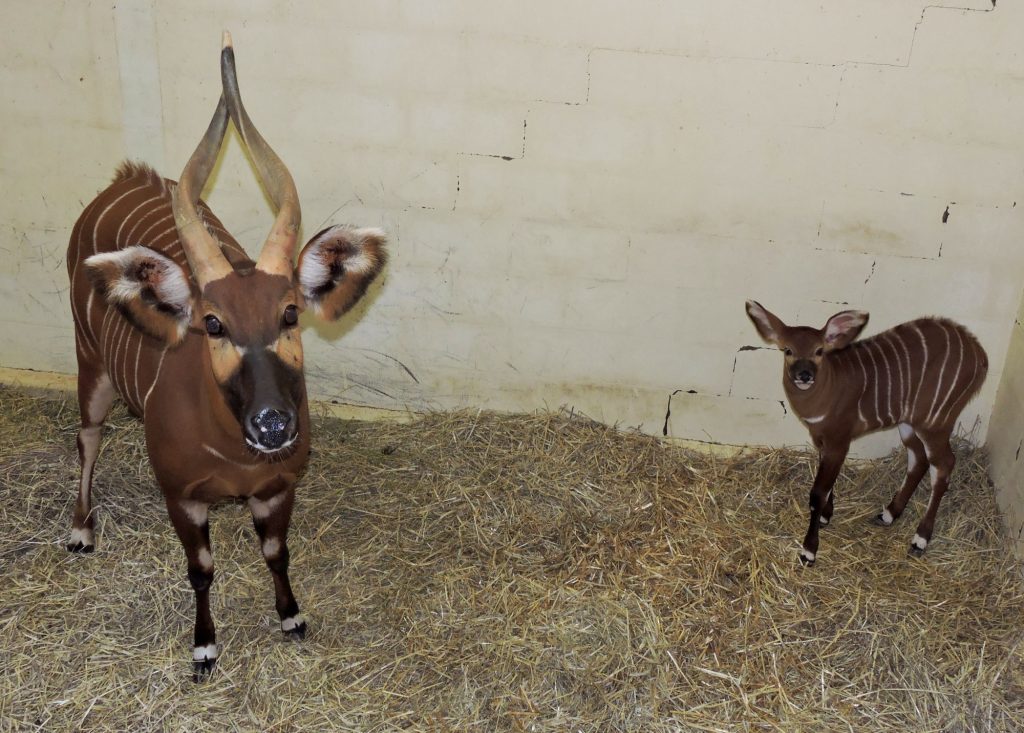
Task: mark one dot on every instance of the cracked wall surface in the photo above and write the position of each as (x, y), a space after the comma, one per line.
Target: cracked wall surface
(580, 194)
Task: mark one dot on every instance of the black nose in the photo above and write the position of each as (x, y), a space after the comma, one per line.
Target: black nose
(271, 427)
(805, 376)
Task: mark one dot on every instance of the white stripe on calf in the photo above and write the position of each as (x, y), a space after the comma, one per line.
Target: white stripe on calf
(924, 364)
(81, 536)
(942, 371)
(293, 622)
(202, 653)
(956, 375)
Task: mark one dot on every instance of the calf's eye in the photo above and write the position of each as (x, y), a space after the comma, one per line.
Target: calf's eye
(819, 352)
(213, 326)
(788, 352)
(291, 315)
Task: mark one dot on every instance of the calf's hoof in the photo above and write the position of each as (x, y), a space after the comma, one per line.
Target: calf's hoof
(294, 627)
(883, 519)
(81, 540)
(807, 557)
(917, 546)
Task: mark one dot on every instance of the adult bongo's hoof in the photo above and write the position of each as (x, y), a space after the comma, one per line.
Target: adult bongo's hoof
(203, 660)
(80, 547)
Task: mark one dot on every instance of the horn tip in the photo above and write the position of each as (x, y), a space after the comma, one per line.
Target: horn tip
(226, 40)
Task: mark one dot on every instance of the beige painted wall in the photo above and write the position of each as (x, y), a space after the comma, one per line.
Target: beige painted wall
(1006, 437)
(581, 194)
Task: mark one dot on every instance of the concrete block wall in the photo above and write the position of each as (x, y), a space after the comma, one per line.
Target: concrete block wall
(580, 194)
(1006, 437)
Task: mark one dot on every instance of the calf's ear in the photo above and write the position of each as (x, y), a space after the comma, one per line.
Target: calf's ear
(767, 324)
(842, 328)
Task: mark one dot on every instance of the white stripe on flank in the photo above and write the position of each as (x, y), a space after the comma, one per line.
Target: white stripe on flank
(942, 371)
(87, 323)
(156, 378)
(888, 378)
(112, 204)
(924, 366)
(117, 237)
(138, 355)
(77, 258)
(904, 387)
(130, 236)
(119, 350)
(956, 375)
(864, 384)
(144, 239)
(874, 365)
(127, 350)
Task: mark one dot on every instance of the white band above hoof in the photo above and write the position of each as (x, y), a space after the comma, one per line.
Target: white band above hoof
(203, 653)
(886, 516)
(806, 555)
(293, 622)
(81, 536)
(919, 542)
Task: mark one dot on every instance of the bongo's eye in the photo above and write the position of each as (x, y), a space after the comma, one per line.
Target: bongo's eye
(291, 315)
(819, 351)
(213, 326)
(788, 352)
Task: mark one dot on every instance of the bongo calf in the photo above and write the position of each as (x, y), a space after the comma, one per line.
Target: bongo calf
(917, 376)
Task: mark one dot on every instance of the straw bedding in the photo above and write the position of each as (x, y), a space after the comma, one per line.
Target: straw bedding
(507, 573)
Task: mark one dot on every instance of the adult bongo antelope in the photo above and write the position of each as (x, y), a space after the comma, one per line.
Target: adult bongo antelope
(203, 344)
(917, 376)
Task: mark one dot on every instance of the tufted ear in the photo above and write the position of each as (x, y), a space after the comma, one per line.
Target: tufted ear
(150, 290)
(842, 328)
(768, 325)
(337, 266)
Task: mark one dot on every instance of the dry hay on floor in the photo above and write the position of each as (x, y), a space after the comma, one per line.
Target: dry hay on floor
(505, 573)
